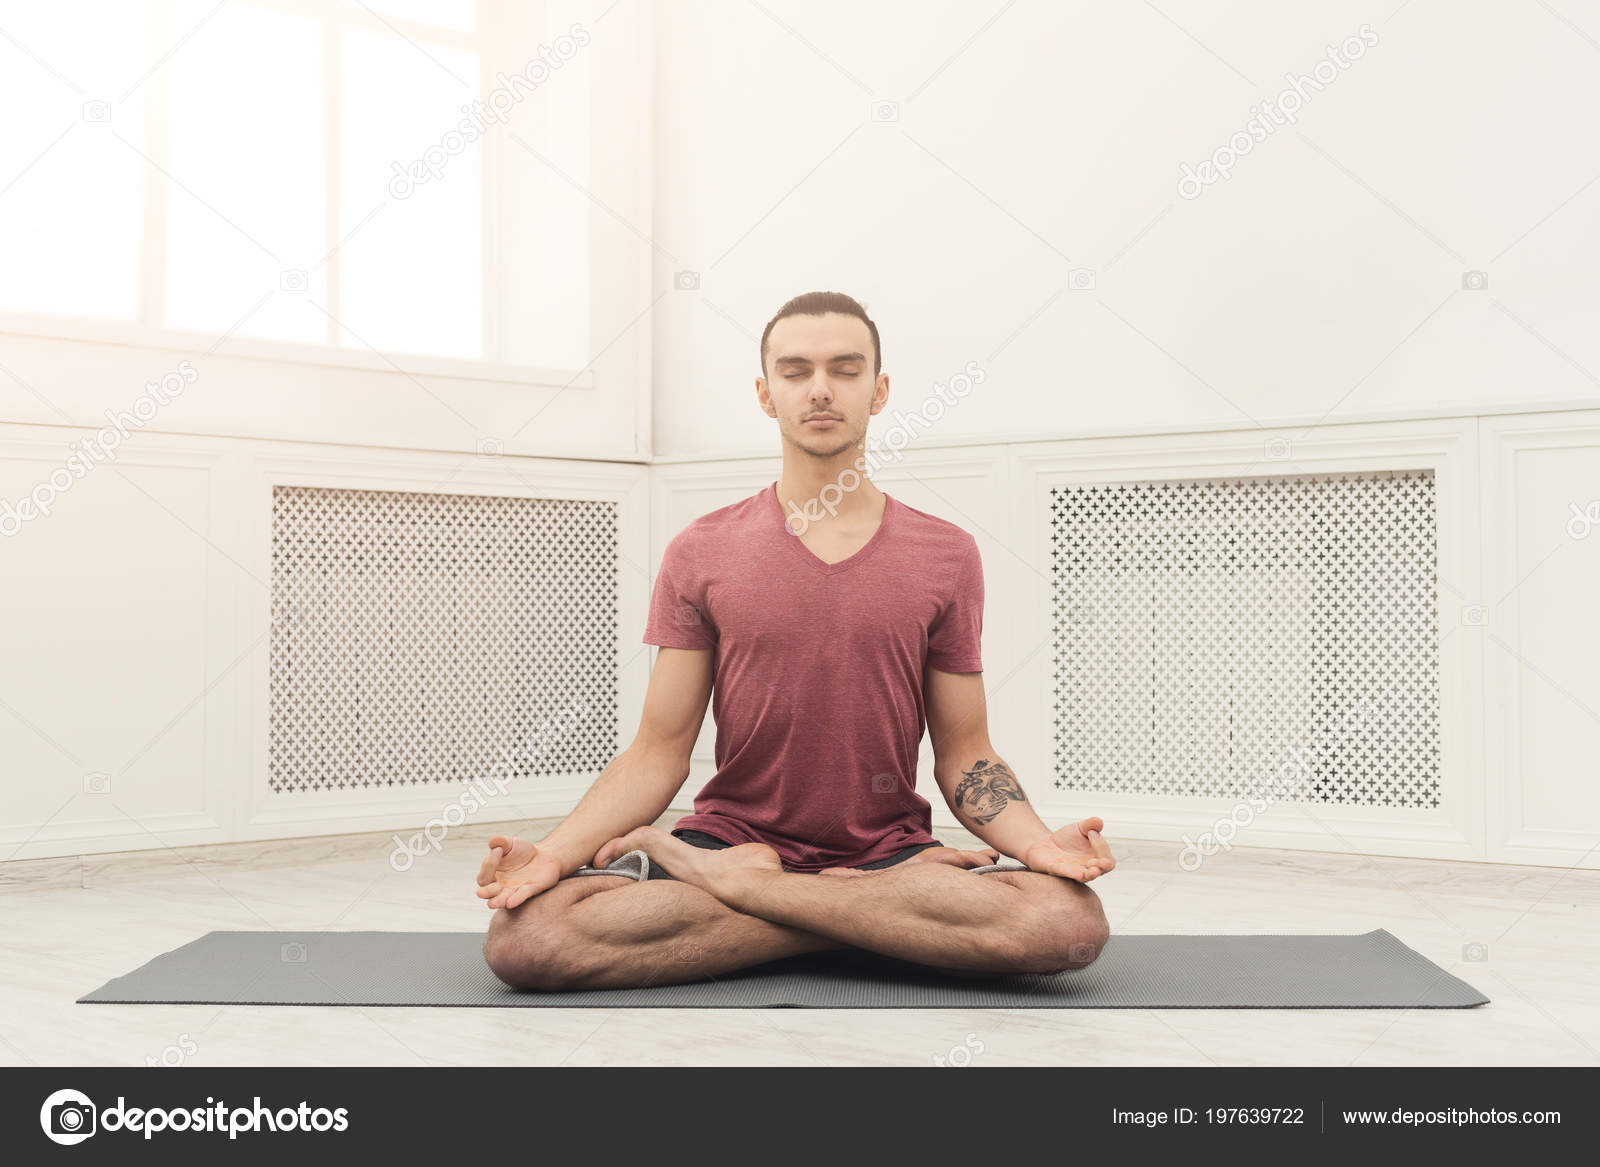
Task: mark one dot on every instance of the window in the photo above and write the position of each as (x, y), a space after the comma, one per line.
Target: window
(326, 172)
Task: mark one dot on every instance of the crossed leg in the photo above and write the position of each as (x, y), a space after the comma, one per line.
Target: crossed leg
(735, 908)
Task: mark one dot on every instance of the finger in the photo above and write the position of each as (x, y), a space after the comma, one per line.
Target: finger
(1102, 851)
(519, 895)
(490, 864)
(1092, 823)
(489, 890)
(1072, 870)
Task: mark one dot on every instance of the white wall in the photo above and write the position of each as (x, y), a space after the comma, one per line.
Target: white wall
(1323, 277)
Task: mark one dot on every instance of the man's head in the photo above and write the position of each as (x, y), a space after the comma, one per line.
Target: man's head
(815, 357)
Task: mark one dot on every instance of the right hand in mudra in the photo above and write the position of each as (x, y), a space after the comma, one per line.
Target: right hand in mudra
(514, 871)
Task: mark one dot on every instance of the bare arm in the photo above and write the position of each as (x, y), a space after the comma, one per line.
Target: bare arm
(641, 781)
(633, 790)
(988, 798)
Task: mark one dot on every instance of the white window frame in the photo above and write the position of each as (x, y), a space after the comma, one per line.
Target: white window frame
(149, 330)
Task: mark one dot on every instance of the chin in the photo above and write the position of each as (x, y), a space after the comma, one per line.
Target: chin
(825, 445)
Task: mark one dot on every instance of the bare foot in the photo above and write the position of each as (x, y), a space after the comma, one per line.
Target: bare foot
(712, 871)
(950, 855)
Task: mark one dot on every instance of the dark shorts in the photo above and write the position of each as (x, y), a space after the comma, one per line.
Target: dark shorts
(639, 866)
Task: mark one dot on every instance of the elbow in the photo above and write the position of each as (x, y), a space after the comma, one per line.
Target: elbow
(669, 761)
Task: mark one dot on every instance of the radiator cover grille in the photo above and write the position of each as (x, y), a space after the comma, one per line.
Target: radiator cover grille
(1225, 638)
(431, 638)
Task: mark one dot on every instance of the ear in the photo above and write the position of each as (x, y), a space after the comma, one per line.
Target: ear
(764, 398)
(880, 393)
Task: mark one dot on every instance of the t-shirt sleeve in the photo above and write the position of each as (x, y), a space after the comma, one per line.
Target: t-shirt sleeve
(678, 616)
(955, 640)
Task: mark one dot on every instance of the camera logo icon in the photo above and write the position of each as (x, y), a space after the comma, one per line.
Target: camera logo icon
(67, 1117)
(885, 783)
(1475, 951)
(1475, 281)
(885, 111)
(98, 110)
(686, 281)
(293, 280)
(1081, 279)
(1474, 615)
(293, 952)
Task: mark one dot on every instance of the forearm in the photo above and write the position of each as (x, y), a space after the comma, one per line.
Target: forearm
(634, 790)
(989, 801)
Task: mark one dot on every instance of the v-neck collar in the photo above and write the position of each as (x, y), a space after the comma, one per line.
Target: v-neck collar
(845, 564)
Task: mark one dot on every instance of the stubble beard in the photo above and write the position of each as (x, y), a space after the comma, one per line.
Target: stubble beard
(825, 453)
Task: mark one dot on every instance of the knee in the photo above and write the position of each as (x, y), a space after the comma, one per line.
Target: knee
(1069, 932)
(524, 947)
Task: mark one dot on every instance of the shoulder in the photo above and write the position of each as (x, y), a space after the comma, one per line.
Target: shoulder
(936, 533)
(716, 530)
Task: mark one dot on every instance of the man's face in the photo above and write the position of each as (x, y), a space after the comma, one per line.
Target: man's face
(820, 385)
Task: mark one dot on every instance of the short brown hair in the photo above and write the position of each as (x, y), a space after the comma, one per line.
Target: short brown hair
(820, 304)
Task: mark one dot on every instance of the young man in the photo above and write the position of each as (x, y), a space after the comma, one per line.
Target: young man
(829, 635)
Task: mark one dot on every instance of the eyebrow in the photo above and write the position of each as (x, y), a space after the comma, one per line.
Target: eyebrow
(833, 360)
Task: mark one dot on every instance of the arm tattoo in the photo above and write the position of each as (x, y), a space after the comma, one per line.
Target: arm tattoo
(986, 789)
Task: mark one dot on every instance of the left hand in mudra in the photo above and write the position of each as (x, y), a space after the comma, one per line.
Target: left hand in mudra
(1077, 851)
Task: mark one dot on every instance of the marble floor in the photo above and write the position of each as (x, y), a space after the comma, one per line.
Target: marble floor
(1528, 937)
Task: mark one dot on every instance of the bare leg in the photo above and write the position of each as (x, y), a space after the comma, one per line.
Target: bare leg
(930, 913)
(605, 931)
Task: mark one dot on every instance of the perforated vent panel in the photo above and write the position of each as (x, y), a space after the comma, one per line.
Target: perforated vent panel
(423, 638)
(1233, 637)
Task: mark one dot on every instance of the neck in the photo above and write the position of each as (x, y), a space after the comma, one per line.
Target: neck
(834, 485)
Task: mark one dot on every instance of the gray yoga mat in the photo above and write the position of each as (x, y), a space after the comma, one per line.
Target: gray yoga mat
(1371, 971)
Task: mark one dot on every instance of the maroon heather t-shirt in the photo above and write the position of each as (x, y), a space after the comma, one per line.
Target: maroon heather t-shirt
(818, 673)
